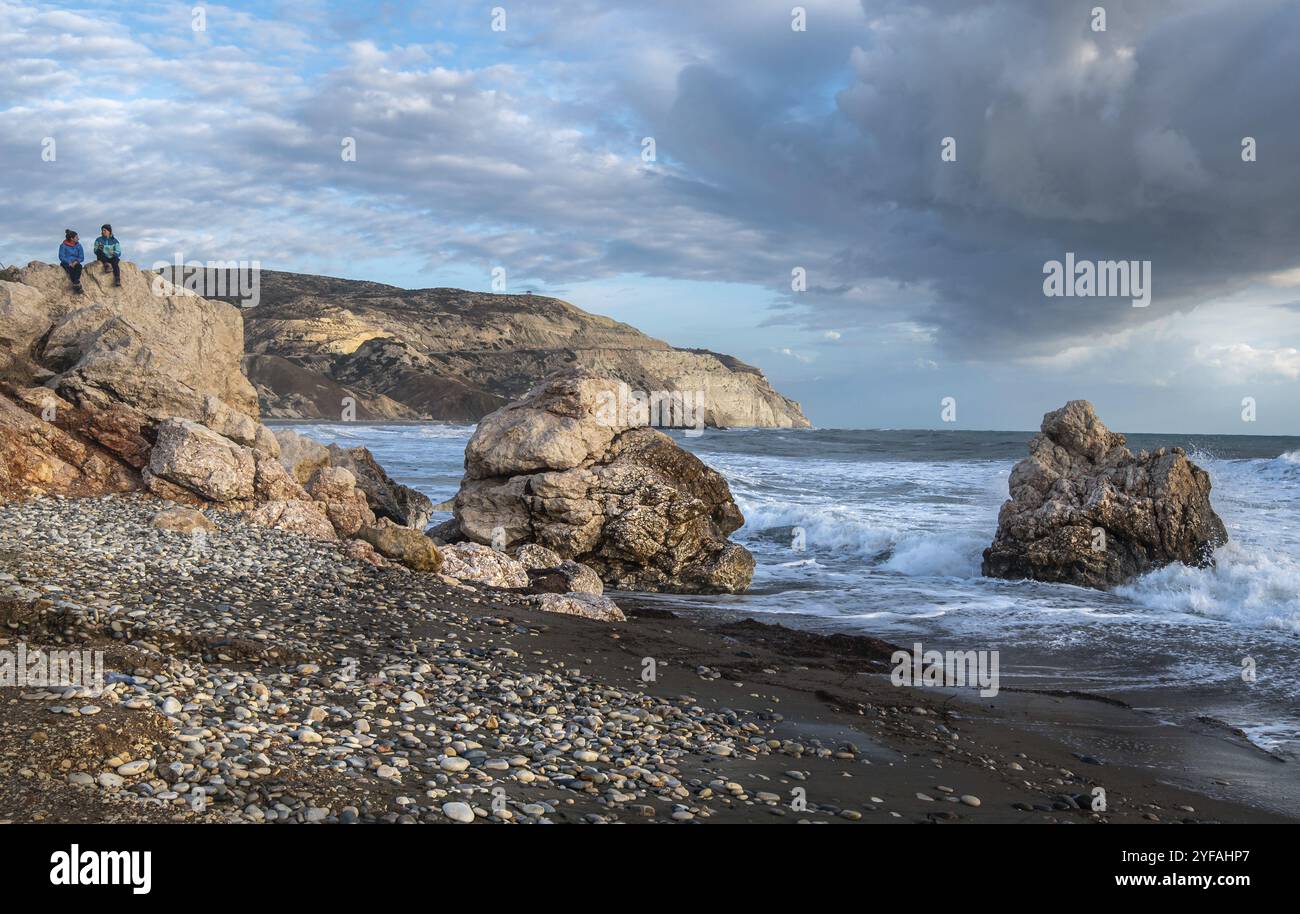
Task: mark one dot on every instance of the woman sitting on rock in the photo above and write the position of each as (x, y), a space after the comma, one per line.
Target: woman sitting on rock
(71, 255)
(109, 252)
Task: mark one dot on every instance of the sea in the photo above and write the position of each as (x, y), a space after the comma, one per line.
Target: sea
(880, 532)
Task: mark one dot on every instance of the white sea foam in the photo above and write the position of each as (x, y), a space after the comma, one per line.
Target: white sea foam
(1246, 585)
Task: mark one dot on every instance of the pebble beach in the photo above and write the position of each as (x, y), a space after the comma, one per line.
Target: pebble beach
(257, 675)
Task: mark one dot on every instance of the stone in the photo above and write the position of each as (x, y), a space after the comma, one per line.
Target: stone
(409, 547)
(238, 427)
(458, 812)
(588, 606)
(558, 470)
(567, 577)
(364, 552)
(305, 517)
(272, 482)
(345, 504)
(199, 460)
(387, 498)
(482, 565)
(446, 533)
(182, 520)
(301, 456)
(532, 556)
(1086, 510)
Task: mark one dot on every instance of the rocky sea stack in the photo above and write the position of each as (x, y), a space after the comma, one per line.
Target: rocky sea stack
(553, 470)
(1086, 510)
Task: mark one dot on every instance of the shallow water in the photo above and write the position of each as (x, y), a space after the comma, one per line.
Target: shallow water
(881, 532)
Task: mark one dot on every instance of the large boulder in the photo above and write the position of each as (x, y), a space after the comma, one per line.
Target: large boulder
(557, 470)
(116, 364)
(156, 347)
(400, 504)
(199, 460)
(1086, 510)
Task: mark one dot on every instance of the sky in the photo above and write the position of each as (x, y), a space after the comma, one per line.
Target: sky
(863, 207)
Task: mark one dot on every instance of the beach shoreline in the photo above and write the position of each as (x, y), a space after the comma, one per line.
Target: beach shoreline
(229, 663)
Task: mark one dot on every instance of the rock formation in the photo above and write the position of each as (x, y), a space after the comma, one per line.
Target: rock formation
(1086, 510)
(99, 374)
(314, 342)
(400, 504)
(628, 502)
(139, 386)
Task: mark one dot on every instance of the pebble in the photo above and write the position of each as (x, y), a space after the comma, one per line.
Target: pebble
(458, 812)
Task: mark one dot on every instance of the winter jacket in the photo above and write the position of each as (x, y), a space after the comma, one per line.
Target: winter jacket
(71, 253)
(108, 247)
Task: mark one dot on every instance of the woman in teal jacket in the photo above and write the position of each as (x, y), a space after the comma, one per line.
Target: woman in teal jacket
(109, 252)
(71, 256)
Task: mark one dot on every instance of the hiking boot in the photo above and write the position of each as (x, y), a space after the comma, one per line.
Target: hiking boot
(77, 290)
(117, 280)
(107, 267)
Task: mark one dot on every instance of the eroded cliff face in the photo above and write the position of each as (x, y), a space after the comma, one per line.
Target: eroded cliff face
(455, 355)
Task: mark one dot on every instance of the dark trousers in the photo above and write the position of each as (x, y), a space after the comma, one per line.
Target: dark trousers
(74, 273)
(117, 270)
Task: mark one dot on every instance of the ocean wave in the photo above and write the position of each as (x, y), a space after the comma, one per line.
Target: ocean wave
(1246, 586)
(919, 553)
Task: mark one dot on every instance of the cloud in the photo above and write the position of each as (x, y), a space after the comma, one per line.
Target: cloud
(775, 149)
(1238, 362)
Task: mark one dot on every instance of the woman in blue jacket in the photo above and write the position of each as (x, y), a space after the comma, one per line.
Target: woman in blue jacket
(71, 256)
(109, 252)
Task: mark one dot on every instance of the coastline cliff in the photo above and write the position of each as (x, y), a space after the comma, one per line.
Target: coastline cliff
(454, 355)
